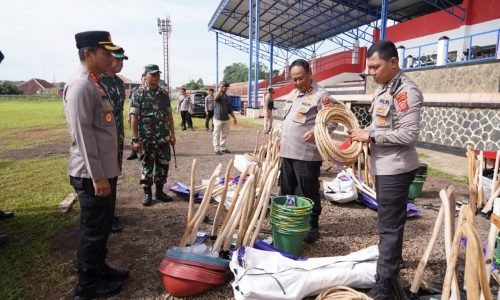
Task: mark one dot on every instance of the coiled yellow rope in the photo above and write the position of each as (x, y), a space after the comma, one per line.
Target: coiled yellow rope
(342, 293)
(341, 158)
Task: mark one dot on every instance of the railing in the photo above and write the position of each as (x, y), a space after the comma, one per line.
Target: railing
(474, 53)
(459, 50)
(422, 59)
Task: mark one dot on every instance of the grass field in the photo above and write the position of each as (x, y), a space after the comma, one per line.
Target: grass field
(32, 187)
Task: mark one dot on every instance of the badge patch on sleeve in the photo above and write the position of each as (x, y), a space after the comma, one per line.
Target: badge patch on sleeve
(402, 99)
(326, 102)
(109, 117)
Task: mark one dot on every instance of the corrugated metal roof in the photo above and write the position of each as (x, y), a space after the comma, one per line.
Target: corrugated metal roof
(297, 24)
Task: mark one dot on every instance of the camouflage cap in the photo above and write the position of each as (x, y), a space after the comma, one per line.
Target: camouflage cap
(151, 69)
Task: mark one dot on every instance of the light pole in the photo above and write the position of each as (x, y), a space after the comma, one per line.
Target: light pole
(165, 28)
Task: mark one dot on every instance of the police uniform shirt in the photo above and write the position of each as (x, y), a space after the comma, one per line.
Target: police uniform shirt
(396, 127)
(300, 116)
(209, 103)
(91, 123)
(185, 103)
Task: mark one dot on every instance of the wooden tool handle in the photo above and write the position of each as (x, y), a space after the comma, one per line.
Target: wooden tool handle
(417, 279)
(220, 207)
(191, 192)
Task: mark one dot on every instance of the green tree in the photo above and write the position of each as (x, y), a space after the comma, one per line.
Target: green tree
(238, 72)
(194, 85)
(8, 88)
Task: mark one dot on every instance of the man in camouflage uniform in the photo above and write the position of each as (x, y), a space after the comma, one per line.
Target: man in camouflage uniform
(116, 91)
(152, 132)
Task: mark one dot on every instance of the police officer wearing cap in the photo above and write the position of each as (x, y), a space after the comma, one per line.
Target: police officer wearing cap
(301, 160)
(116, 90)
(393, 133)
(93, 164)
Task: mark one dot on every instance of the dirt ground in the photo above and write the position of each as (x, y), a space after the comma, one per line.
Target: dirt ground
(150, 231)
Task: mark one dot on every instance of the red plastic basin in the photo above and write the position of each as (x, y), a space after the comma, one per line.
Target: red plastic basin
(181, 280)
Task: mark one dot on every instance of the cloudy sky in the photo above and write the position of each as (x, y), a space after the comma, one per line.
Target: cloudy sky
(37, 37)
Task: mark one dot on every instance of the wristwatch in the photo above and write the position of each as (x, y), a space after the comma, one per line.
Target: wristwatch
(372, 136)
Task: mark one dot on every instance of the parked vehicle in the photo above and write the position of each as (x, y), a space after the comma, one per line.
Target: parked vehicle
(198, 98)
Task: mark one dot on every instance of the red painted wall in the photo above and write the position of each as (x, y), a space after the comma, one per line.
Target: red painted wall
(477, 11)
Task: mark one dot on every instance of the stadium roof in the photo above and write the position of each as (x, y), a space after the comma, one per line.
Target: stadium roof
(297, 24)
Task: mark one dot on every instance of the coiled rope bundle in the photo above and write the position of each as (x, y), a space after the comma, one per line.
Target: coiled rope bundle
(342, 293)
(341, 158)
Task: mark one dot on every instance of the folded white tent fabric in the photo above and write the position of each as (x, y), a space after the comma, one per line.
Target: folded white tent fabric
(269, 275)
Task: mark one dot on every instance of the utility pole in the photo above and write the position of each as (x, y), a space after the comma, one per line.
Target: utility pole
(164, 29)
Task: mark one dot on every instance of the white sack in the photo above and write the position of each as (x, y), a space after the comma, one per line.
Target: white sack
(342, 189)
(269, 275)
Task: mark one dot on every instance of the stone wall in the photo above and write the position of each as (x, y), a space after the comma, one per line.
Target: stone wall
(451, 128)
(469, 78)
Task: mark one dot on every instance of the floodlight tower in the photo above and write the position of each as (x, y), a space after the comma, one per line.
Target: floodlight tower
(165, 28)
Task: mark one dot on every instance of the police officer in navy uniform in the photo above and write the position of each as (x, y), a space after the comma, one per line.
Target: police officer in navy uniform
(300, 158)
(93, 164)
(393, 133)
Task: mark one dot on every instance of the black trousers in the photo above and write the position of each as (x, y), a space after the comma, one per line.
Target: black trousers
(304, 175)
(208, 117)
(186, 118)
(96, 220)
(392, 198)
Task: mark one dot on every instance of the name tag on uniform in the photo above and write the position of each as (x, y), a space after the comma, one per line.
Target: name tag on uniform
(304, 108)
(299, 118)
(382, 109)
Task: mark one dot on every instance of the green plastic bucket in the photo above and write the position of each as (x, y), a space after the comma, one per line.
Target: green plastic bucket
(416, 189)
(290, 224)
(289, 242)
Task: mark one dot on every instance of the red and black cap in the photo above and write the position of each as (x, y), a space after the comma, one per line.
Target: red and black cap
(100, 39)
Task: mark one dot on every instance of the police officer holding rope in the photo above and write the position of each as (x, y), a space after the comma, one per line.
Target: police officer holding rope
(392, 135)
(300, 158)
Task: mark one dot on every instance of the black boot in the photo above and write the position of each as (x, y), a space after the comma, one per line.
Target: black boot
(111, 274)
(312, 235)
(132, 156)
(3, 239)
(387, 289)
(90, 285)
(160, 195)
(117, 226)
(148, 196)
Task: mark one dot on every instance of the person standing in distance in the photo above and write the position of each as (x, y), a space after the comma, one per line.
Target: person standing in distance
(268, 106)
(300, 158)
(393, 133)
(222, 109)
(209, 109)
(93, 164)
(185, 106)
